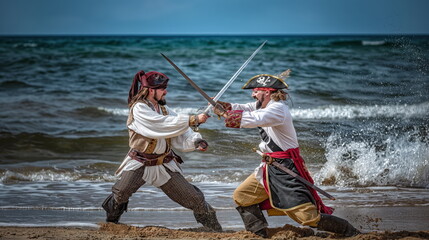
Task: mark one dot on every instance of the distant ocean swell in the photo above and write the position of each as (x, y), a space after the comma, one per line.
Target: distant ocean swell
(154, 41)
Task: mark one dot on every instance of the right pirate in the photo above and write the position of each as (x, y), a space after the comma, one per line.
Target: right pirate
(269, 188)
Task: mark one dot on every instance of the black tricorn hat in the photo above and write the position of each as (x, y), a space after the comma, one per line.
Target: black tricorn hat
(268, 81)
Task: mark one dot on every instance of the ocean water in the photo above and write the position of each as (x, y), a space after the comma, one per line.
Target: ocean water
(360, 106)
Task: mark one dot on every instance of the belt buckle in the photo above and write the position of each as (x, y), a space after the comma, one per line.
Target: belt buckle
(160, 160)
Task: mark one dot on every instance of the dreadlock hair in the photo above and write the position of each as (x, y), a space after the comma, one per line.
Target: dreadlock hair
(141, 95)
(279, 95)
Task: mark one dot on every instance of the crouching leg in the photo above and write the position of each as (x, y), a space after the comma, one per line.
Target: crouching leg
(208, 218)
(113, 209)
(253, 219)
(191, 197)
(117, 202)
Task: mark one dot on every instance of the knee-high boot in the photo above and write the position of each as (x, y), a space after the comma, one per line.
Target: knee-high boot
(253, 219)
(208, 219)
(113, 209)
(335, 224)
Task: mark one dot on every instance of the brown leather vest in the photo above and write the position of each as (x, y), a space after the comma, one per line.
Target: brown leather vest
(141, 143)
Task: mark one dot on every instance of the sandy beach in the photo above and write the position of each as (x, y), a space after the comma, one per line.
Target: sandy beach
(375, 223)
(120, 231)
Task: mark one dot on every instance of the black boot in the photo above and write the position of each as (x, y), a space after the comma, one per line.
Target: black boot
(208, 219)
(254, 220)
(335, 224)
(113, 209)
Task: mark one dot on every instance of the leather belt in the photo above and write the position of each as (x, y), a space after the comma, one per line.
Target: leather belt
(154, 159)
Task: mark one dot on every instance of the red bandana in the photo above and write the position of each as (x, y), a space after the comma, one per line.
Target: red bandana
(149, 80)
(265, 89)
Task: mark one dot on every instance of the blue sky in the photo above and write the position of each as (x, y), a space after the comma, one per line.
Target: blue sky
(214, 17)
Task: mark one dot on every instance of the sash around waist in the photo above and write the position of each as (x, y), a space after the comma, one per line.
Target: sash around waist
(154, 159)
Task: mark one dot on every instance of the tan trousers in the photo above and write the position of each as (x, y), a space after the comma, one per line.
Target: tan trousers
(251, 192)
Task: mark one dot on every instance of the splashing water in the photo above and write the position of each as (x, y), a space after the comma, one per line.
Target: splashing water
(399, 160)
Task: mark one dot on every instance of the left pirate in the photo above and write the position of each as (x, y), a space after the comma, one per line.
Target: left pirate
(154, 130)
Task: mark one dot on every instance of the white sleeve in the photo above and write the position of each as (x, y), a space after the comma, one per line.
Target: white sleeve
(151, 124)
(270, 116)
(185, 142)
(244, 107)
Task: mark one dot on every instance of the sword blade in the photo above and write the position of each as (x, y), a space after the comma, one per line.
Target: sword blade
(231, 80)
(193, 84)
(301, 179)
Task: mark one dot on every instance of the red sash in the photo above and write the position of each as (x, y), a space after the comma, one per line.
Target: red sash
(293, 154)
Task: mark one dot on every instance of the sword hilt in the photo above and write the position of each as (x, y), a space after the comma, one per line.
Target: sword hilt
(265, 157)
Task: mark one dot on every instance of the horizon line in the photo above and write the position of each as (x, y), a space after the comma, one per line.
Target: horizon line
(206, 34)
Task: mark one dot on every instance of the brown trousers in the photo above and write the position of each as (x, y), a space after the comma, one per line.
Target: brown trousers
(252, 192)
(177, 189)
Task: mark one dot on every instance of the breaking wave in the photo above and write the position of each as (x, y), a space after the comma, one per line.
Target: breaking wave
(355, 111)
(330, 111)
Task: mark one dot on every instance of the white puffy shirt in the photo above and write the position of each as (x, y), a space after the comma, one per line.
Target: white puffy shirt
(155, 125)
(276, 121)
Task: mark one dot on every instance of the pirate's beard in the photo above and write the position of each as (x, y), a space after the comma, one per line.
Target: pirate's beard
(161, 101)
(259, 102)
